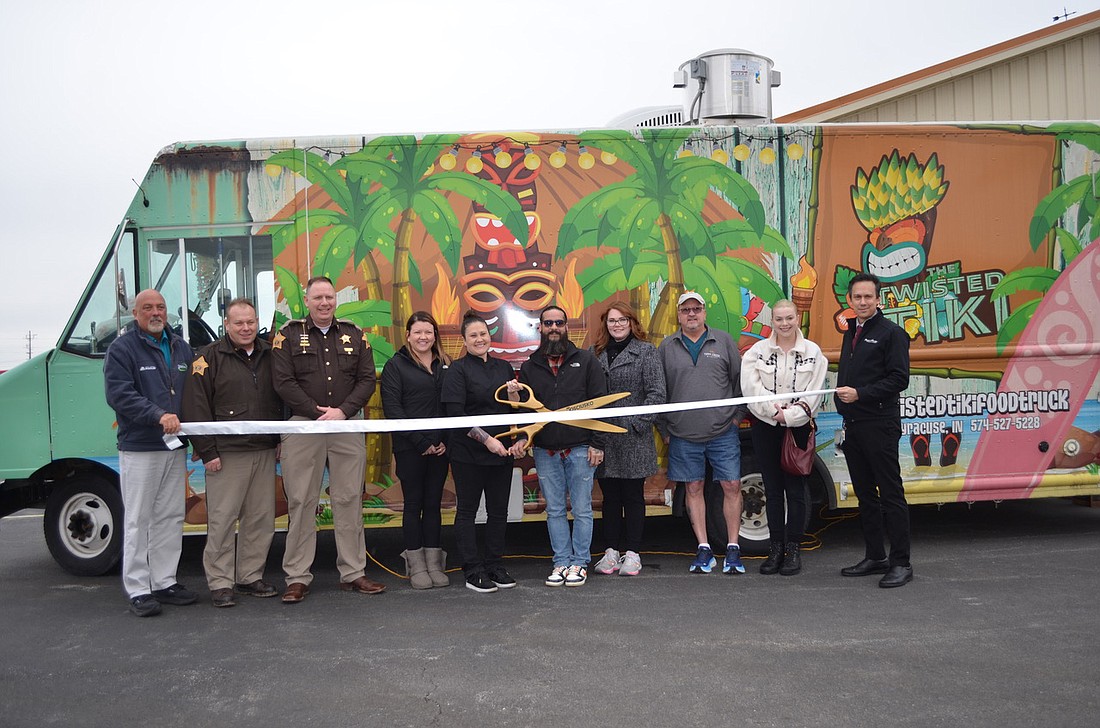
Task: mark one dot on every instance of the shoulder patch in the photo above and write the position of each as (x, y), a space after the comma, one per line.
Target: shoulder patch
(199, 366)
(277, 342)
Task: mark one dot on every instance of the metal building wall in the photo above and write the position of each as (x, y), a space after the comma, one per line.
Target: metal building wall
(1060, 81)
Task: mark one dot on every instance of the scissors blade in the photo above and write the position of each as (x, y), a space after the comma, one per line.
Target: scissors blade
(594, 402)
(594, 425)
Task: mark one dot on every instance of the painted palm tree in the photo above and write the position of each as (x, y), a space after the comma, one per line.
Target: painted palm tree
(398, 179)
(342, 221)
(390, 179)
(654, 218)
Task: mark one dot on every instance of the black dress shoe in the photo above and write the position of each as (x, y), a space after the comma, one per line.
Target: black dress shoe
(896, 576)
(866, 568)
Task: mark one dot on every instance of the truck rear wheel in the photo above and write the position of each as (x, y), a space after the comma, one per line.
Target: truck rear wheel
(83, 526)
(753, 537)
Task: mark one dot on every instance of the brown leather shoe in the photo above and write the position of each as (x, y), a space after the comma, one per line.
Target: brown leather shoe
(363, 585)
(222, 598)
(258, 588)
(295, 593)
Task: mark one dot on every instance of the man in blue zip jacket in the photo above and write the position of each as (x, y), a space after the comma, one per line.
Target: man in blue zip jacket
(143, 374)
(873, 372)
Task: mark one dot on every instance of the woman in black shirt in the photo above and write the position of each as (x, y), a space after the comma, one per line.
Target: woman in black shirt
(480, 463)
(411, 383)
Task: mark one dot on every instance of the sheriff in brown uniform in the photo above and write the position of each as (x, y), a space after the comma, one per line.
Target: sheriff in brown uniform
(231, 380)
(324, 370)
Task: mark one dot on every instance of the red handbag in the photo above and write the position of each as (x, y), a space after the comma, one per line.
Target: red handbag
(794, 459)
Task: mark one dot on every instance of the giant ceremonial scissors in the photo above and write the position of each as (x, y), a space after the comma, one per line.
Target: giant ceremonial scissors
(529, 431)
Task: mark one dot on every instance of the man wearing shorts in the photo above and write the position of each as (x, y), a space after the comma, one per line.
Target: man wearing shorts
(702, 364)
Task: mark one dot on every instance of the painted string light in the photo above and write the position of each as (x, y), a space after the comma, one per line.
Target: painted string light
(531, 160)
(789, 141)
(449, 158)
(585, 160)
(557, 159)
(474, 163)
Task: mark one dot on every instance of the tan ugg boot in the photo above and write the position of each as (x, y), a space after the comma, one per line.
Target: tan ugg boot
(437, 569)
(416, 569)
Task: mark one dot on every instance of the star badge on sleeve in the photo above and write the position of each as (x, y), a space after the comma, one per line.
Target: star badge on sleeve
(277, 342)
(199, 366)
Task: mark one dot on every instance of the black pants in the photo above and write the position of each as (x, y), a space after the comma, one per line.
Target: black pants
(780, 487)
(871, 449)
(422, 478)
(623, 504)
(495, 481)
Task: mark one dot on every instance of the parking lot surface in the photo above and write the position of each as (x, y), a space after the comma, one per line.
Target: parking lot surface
(999, 628)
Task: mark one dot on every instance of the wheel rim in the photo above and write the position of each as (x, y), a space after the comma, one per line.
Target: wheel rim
(85, 525)
(754, 516)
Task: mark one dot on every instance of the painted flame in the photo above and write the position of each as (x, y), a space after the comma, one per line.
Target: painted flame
(570, 294)
(444, 299)
(806, 277)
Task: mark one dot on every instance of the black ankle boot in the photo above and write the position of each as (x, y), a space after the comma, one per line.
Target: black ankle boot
(792, 562)
(774, 561)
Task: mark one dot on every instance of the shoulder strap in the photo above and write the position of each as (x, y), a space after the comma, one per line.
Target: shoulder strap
(806, 408)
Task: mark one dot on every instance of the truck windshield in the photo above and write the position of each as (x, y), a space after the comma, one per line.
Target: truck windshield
(107, 305)
(199, 276)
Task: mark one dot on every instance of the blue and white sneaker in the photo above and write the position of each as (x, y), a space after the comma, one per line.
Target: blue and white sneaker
(704, 561)
(732, 564)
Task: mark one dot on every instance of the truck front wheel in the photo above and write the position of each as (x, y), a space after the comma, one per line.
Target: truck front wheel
(83, 525)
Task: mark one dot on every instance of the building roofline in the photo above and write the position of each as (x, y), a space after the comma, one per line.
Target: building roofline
(948, 69)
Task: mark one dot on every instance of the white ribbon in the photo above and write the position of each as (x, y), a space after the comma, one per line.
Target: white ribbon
(274, 427)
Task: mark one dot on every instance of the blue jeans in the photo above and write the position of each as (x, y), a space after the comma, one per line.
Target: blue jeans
(560, 474)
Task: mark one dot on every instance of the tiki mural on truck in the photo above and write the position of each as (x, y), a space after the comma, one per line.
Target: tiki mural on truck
(509, 223)
(973, 254)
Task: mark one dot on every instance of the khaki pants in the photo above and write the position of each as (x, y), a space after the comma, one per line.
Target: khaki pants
(153, 495)
(243, 493)
(304, 458)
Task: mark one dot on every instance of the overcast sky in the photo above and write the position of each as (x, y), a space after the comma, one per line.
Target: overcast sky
(89, 92)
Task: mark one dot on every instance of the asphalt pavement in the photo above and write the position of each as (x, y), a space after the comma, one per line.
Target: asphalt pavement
(997, 629)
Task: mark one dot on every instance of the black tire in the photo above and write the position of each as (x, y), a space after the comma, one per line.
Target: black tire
(83, 525)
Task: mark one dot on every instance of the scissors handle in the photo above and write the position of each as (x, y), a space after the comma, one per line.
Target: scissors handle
(527, 432)
(530, 403)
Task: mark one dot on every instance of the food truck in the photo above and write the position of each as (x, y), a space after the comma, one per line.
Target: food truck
(986, 238)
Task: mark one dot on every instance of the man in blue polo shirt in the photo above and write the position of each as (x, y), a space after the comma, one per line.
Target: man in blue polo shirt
(143, 374)
(702, 364)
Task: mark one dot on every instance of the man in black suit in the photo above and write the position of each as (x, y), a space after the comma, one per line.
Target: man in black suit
(873, 372)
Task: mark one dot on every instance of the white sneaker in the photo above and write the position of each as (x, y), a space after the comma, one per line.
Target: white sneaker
(576, 576)
(631, 564)
(609, 564)
(557, 576)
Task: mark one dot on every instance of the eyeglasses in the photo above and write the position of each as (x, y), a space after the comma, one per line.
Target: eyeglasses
(691, 309)
(617, 321)
(559, 323)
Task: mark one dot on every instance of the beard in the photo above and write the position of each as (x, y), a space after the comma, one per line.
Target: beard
(554, 347)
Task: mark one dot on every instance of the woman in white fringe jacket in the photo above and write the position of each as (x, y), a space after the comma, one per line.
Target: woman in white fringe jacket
(784, 363)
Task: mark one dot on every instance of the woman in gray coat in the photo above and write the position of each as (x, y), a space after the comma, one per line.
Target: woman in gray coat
(631, 365)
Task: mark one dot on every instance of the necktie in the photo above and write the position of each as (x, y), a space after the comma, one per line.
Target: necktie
(859, 333)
